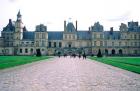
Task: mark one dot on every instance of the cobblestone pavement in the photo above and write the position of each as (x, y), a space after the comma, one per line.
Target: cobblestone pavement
(68, 74)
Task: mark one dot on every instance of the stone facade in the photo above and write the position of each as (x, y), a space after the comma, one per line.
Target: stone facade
(17, 40)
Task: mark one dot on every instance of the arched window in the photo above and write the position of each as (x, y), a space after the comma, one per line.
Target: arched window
(26, 50)
(120, 51)
(31, 50)
(113, 51)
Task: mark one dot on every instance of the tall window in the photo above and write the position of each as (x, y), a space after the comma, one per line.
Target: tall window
(31, 50)
(49, 44)
(26, 50)
(69, 36)
(20, 50)
(119, 43)
(94, 36)
(131, 43)
(125, 43)
(37, 35)
(101, 36)
(54, 44)
(94, 43)
(101, 43)
(135, 36)
(135, 43)
(37, 43)
(43, 43)
(60, 44)
(65, 36)
(73, 37)
(131, 36)
(43, 35)
(105, 43)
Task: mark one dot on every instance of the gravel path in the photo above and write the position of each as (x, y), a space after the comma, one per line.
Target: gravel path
(68, 74)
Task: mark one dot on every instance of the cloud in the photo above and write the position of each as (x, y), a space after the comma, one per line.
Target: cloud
(124, 17)
(12, 1)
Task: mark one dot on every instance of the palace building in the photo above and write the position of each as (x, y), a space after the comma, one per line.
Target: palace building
(17, 40)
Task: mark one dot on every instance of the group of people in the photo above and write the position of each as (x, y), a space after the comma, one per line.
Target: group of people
(74, 55)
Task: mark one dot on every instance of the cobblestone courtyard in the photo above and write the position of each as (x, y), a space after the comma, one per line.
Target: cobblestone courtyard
(68, 74)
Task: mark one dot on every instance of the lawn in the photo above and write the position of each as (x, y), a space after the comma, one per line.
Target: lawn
(127, 63)
(11, 61)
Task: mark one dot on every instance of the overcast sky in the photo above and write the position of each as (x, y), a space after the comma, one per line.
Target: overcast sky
(110, 13)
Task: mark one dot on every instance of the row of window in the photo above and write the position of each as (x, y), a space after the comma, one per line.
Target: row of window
(132, 36)
(55, 44)
(8, 44)
(7, 34)
(8, 37)
(120, 51)
(41, 35)
(26, 50)
(70, 37)
(98, 36)
(27, 42)
(40, 43)
(135, 36)
(100, 43)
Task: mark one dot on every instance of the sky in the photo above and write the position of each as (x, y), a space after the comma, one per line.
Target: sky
(52, 13)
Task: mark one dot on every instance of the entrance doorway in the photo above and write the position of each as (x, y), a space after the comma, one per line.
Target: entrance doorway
(69, 45)
(113, 52)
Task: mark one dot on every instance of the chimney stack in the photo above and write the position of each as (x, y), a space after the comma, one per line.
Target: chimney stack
(65, 25)
(89, 28)
(111, 30)
(76, 25)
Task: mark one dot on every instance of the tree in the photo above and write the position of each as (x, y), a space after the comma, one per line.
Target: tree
(99, 53)
(38, 53)
(59, 54)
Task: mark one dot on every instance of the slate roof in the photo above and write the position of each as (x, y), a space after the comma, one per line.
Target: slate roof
(113, 35)
(133, 26)
(134, 29)
(10, 26)
(55, 35)
(28, 35)
(84, 35)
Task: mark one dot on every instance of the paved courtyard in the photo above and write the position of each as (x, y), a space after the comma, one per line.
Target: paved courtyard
(68, 74)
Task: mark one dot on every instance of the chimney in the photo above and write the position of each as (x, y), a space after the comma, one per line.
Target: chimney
(89, 28)
(111, 30)
(76, 25)
(65, 25)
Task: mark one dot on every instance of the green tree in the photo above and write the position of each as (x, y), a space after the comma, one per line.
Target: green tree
(99, 53)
